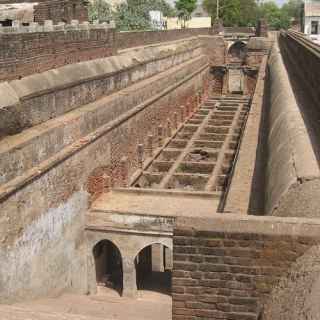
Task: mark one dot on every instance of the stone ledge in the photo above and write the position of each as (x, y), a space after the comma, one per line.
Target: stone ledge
(245, 224)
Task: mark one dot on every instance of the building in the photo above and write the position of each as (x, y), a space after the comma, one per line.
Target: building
(38, 11)
(311, 20)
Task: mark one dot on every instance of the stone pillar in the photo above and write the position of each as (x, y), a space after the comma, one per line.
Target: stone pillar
(168, 258)
(140, 155)
(157, 257)
(129, 278)
(262, 28)
(219, 78)
(225, 82)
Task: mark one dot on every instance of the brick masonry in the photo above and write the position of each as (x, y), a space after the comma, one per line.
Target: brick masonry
(142, 38)
(23, 54)
(56, 10)
(226, 267)
(26, 53)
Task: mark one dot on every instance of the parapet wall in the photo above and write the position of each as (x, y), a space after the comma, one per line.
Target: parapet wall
(37, 48)
(227, 266)
(34, 49)
(292, 173)
(141, 38)
(66, 88)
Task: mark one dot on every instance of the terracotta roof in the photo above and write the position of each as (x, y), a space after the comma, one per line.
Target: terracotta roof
(312, 9)
(18, 11)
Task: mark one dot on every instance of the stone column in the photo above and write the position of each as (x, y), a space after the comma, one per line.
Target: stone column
(225, 83)
(129, 278)
(157, 257)
(168, 258)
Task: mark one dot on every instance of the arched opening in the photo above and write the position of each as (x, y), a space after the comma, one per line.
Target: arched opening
(154, 269)
(237, 52)
(108, 263)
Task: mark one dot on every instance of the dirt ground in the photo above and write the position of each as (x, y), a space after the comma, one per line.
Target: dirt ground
(106, 304)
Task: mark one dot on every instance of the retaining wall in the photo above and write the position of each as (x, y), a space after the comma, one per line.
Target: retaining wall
(292, 173)
(226, 267)
(43, 204)
(140, 38)
(35, 49)
(245, 193)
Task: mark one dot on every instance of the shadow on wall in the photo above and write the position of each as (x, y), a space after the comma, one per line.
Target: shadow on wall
(257, 192)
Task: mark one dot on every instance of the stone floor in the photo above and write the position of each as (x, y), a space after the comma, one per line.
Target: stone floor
(107, 305)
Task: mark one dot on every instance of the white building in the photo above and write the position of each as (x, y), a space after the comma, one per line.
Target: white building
(312, 19)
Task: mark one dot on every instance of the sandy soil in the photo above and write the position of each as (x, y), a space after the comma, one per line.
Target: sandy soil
(106, 304)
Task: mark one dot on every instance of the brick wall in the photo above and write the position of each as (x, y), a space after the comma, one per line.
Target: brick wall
(302, 61)
(25, 53)
(60, 10)
(57, 10)
(68, 177)
(141, 38)
(226, 267)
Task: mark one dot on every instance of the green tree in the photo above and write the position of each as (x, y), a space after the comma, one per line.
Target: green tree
(134, 14)
(233, 12)
(276, 17)
(185, 9)
(293, 8)
(100, 10)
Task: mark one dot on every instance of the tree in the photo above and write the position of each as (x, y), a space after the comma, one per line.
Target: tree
(100, 10)
(276, 17)
(293, 8)
(240, 13)
(129, 15)
(185, 9)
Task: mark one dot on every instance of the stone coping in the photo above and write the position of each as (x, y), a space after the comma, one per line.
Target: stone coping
(159, 203)
(77, 73)
(261, 225)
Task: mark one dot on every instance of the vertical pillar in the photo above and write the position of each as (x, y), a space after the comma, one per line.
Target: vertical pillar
(168, 258)
(149, 145)
(175, 120)
(182, 113)
(225, 83)
(160, 135)
(169, 131)
(140, 151)
(124, 171)
(199, 99)
(157, 257)
(129, 278)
